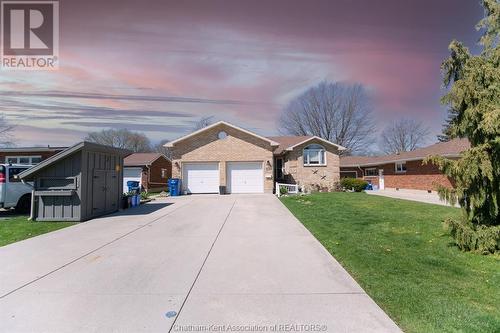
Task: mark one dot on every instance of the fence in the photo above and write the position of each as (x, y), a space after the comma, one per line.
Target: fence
(290, 188)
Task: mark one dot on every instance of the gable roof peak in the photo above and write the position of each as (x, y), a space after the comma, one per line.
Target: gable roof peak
(172, 143)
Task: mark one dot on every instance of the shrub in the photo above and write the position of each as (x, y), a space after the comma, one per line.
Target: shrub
(470, 237)
(283, 190)
(355, 184)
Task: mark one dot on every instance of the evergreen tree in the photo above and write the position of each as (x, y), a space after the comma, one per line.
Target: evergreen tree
(474, 94)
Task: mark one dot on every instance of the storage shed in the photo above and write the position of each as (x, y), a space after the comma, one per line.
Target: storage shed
(80, 183)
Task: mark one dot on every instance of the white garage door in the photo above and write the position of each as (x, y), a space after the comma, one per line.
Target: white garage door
(201, 177)
(245, 177)
(131, 174)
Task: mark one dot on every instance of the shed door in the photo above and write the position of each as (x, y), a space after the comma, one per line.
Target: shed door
(201, 177)
(245, 177)
(99, 192)
(111, 191)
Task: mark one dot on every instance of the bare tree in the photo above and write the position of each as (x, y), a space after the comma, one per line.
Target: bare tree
(5, 132)
(403, 135)
(121, 138)
(160, 148)
(203, 122)
(334, 111)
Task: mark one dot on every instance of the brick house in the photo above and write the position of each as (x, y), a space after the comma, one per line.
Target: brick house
(244, 162)
(404, 170)
(151, 170)
(27, 155)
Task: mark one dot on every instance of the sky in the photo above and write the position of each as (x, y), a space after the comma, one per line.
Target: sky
(158, 66)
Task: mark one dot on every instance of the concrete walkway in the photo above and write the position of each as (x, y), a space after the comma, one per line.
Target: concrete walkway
(412, 195)
(183, 264)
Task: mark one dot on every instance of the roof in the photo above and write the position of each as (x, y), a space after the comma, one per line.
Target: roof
(69, 151)
(287, 141)
(290, 142)
(30, 149)
(172, 143)
(140, 159)
(452, 148)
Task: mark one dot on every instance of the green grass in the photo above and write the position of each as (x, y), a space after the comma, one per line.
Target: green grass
(18, 228)
(399, 252)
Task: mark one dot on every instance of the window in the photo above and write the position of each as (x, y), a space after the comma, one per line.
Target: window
(163, 173)
(314, 155)
(28, 160)
(400, 167)
(13, 172)
(371, 172)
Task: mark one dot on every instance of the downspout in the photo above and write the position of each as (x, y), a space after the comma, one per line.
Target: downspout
(32, 208)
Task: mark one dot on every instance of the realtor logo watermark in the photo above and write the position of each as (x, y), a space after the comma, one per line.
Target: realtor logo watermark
(30, 35)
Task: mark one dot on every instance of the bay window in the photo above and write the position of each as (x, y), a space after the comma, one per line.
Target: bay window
(314, 155)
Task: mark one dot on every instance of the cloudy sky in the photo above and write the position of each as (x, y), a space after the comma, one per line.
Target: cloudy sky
(158, 66)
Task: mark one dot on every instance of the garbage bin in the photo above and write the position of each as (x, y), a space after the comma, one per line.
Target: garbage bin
(174, 185)
(133, 186)
(222, 190)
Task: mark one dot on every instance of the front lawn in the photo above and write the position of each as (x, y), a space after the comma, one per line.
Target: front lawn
(400, 254)
(17, 228)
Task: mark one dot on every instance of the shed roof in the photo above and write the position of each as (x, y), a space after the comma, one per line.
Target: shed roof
(140, 159)
(69, 151)
(452, 148)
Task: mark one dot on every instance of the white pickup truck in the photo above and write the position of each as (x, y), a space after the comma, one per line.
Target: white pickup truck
(14, 193)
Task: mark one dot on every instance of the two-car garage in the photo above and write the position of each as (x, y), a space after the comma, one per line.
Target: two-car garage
(241, 177)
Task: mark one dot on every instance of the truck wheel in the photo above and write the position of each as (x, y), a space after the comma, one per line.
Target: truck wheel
(24, 204)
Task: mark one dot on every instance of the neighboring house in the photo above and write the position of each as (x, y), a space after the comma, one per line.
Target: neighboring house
(244, 162)
(151, 170)
(404, 170)
(27, 155)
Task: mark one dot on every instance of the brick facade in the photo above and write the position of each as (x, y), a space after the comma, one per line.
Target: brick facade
(316, 177)
(43, 154)
(151, 177)
(237, 146)
(418, 176)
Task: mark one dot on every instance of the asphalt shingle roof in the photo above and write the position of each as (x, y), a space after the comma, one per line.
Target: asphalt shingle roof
(287, 141)
(451, 148)
(136, 159)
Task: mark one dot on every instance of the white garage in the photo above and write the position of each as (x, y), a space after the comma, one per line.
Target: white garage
(245, 177)
(131, 174)
(200, 177)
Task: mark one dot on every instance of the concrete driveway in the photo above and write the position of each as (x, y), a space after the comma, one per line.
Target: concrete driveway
(183, 264)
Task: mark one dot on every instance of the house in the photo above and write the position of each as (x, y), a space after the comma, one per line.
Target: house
(27, 155)
(404, 170)
(242, 161)
(151, 170)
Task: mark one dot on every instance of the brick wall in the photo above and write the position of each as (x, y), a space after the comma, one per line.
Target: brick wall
(43, 154)
(417, 176)
(312, 177)
(237, 146)
(156, 181)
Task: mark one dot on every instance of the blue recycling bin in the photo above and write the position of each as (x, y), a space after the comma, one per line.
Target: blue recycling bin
(133, 186)
(174, 185)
